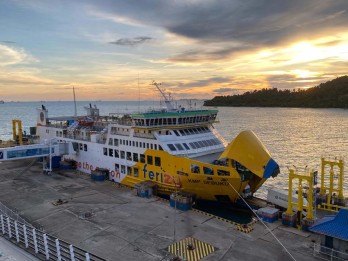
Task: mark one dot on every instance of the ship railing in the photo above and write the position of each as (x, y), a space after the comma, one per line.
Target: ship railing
(326, 253)
(41, 244)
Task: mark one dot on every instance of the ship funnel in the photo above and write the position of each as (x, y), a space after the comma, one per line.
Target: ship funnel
(42, 115)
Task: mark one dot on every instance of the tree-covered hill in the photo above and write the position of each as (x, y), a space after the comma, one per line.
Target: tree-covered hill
(332, 94)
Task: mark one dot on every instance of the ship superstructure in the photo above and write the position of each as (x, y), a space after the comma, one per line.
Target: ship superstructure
(177, 149)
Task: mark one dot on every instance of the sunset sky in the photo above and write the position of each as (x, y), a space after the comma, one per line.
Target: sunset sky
(195, 48)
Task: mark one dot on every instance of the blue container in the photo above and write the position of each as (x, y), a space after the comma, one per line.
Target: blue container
(98, 176)
(56, 162)
(268, 219)
(180, 206)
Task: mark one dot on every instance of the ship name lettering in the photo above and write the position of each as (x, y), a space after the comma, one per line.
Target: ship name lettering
(194, 181)
(160, 177)
(218, 183)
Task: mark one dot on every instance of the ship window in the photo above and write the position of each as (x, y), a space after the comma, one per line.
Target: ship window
(117, 155)
(223, 172)
(186, 146)
(105, 151)
(217, 142)
(143, 144)
(193, 145)
(123, 169)
(191, 131)
(186, 131)
(155, 146)
(147, 145)
(176, 133)
(201, 143)
(111, 152)
(116, 142)
(129, 156)
(81, 146)
(179, 147)
(197, 144)
(127, 142)
(133, 143)
(210, 143)
(135, 157)
(142, 158)
(129, 171)
(171, 147)
(85, 147)
(205, 143)
(195, 168)
(117, 167)
(137, 144)
(122, 154)
(182, 132)
(157, 161)
(151, 146)
(110, 141)
(160, 147)
(136, 172)
(208, 171)
(149, 160)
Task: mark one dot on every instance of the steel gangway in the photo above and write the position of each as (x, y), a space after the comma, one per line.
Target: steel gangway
(45, 150)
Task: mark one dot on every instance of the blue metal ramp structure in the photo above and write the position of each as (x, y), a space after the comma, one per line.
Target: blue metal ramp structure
(35, 151)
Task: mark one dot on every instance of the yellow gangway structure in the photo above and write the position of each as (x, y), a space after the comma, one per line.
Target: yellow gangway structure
(295, 218)
(331, 196)
(17, 123)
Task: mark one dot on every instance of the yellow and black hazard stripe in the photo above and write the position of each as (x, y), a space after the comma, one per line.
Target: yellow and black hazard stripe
(244, 228)
(191, 249)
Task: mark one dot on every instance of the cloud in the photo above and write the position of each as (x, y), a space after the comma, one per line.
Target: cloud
(11, 56)
(131, 41)
(203, 83)
(7, 42)
(222, 90)
(239, 25)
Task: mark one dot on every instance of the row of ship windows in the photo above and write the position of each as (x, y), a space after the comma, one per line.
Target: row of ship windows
(194, 168)
(138, 144)
(191, 131)
(173, 121)
(136, 157)
(194, 145)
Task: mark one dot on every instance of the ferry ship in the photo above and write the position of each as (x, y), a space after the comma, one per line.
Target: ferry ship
(176, 149)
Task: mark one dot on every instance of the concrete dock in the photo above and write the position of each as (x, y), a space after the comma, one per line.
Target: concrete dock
(113, 223)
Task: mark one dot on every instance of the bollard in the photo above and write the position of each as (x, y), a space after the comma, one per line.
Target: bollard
(59, 258)
(46, 246)
(35, 241)
(72, 257)
(25, 236)
(2, 224)
(9, 227)
(87, 257)
(16, 229)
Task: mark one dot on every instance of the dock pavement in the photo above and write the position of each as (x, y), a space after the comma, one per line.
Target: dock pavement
(112, 222)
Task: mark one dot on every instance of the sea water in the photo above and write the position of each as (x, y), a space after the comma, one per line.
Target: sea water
(295, 137)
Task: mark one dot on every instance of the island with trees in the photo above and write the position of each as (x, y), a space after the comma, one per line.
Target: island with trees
(331, 94)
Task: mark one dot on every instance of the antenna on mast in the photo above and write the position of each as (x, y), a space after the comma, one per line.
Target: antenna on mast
(75, 112)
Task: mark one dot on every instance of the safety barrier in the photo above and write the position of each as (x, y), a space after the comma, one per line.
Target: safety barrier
(40, 244)
(4, 210)
(326, 253)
